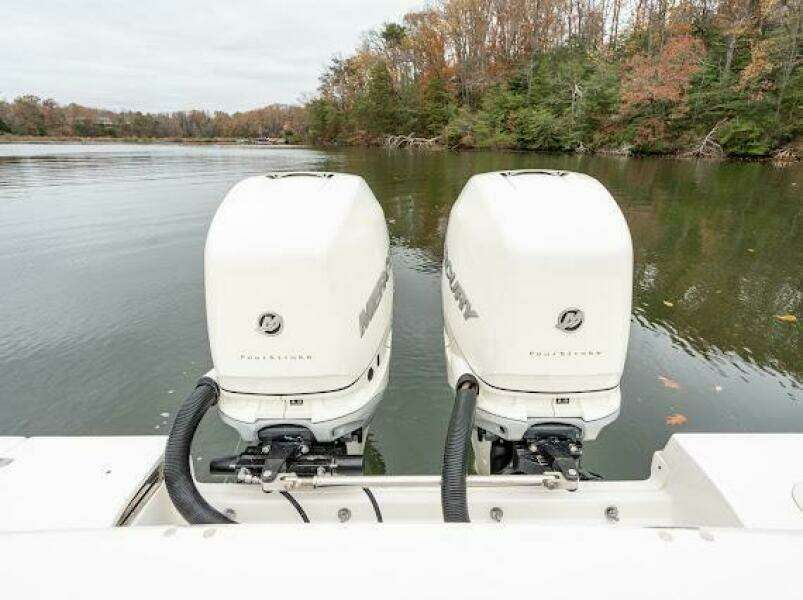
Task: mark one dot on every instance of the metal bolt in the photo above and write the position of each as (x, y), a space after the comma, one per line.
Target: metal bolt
(497, 514)
(612, 514)
(572, 472)
(343, 515)
(266, 449)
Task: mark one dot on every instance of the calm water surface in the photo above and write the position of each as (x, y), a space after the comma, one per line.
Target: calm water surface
(102, 319)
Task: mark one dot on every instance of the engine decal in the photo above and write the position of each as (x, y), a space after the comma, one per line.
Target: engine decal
(367, 313)
(564, 353)
(463, 303)
(570, 320)
(257, 356)
(270, 323)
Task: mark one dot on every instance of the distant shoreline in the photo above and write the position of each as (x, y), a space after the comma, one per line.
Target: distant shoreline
(55, 140)
(46, 139)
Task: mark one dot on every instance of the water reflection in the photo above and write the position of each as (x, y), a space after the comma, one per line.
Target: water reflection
(718, 249)
(101, 255)
(722, 243)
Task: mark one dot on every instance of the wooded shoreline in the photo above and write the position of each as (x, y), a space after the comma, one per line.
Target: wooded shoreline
(784, 160)
(696, 78)
(190, 141)
(706, 78)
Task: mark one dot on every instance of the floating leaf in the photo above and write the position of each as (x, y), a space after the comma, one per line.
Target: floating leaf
(676, 419)
(669, 383)
(750, 250)
(786, 318)
(668, 303)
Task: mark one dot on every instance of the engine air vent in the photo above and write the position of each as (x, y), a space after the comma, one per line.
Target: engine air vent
(299, 174)
(520, 172)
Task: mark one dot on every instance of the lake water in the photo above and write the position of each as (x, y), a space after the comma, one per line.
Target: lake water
(103, 328)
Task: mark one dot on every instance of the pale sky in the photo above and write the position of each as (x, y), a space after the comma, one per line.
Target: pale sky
(182, 54)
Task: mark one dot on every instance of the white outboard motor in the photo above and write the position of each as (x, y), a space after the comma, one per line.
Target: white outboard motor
(299, 297)
(537, 293)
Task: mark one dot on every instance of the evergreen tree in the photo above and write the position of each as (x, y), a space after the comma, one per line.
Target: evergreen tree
(378, 110)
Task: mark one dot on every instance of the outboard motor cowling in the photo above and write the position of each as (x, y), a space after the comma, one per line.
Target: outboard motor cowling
(537, 293)
(296, 270)
(299, 297)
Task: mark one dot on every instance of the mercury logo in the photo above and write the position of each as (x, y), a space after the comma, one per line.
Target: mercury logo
(570, 320)
(367, 313)
(463, 303)
(269, 323)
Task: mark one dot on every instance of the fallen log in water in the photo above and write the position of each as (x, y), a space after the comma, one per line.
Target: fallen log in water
(785, 156)
(410, 141)
(708, 146)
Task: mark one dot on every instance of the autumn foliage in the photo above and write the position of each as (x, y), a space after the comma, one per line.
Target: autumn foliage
(608, 75)
(33, 116)
(663, 78)
(702, 77)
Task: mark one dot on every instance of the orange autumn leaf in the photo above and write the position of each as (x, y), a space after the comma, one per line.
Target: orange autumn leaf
(676, 419)
(786, 318)
(668, 303)
(669, 383)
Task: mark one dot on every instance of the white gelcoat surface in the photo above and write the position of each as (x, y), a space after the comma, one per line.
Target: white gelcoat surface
(756, 473)
(525, 246)
(521, 248)
(715, 520)
(311, 248)
(401, 561)
(55, 483)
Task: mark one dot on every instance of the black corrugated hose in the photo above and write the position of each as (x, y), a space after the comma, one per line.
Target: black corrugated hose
(455, 452)
(178, 476)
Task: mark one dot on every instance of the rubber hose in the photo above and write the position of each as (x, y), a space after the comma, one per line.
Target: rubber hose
(178, 476)
(455, 452)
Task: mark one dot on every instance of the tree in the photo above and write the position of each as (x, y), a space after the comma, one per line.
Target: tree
(378, 111)
(28, 116)
(436, 106)
(661, 81)
(537, 129)
(654, 74)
